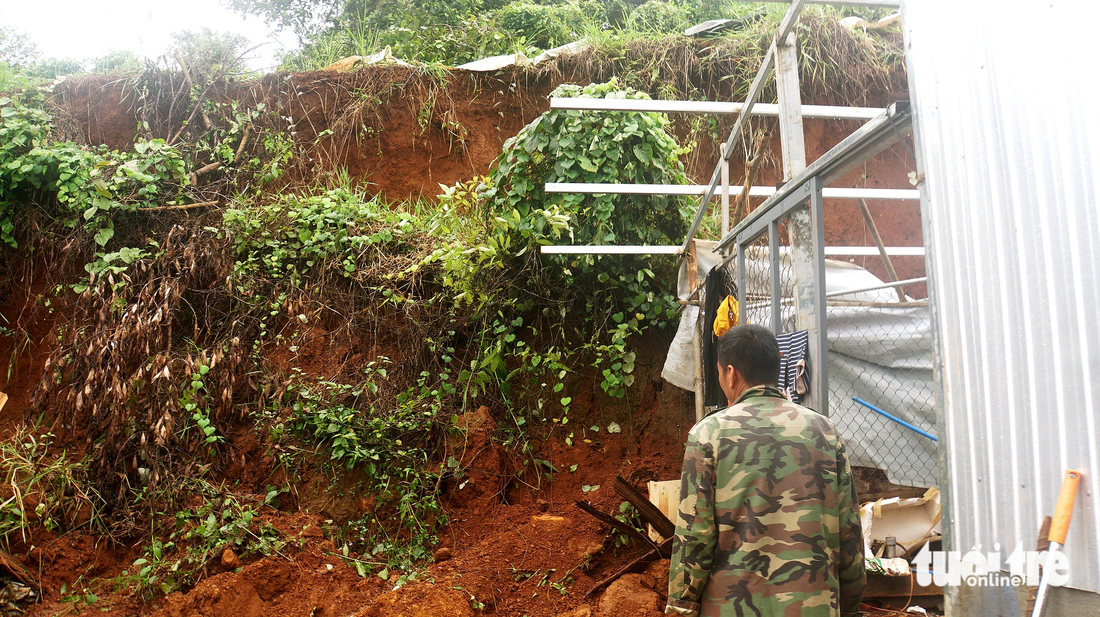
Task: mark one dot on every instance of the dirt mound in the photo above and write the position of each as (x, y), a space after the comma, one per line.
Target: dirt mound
(420, 600)
(313, 584)
(633, 594)
(483, 478)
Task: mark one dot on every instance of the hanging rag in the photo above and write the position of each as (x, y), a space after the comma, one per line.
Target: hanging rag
(794, 378)
(726, 318)
(719, 286)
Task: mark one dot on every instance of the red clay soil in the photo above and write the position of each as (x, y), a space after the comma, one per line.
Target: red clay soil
(511, 547)
(25, 310)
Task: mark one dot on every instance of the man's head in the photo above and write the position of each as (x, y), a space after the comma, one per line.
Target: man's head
(747, 356)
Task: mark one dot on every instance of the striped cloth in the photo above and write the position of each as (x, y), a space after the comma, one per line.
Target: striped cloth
(794, 378)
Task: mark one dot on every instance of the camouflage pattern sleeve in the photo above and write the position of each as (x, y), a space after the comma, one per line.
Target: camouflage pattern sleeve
(853, 576)
(693, 548)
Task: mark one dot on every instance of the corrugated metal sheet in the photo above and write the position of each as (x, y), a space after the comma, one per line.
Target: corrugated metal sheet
(1005, 98)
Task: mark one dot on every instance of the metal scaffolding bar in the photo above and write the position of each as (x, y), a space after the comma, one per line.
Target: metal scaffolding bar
(819, 349)
(720, 108)
(871, 4)
(668, 249)
(848, 292)
(605, 249)
(777, 291)
(785, 28)
(700, 189)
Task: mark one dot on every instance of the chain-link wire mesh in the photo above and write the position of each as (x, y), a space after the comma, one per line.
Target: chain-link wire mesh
(880, 351)
(758, 282)
(757, 309)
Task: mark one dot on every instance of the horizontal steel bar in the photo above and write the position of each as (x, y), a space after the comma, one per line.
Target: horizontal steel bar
(857, 251)
(608, 249)
(848, 292)
(699, 189)
(832, 112)
(881, 4)
(604, 249)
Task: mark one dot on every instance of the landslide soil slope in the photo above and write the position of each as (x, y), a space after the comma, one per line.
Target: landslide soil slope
(514, 543)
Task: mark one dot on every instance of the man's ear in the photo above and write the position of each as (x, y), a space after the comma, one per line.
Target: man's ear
(727, 373)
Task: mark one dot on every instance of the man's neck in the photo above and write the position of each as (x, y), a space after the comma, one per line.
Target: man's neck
(761, 390)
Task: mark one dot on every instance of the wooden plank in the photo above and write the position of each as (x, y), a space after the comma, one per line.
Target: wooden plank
(882, 586)
(637, 565)
(870, 222)
(651, 513)
(692, 264)
(616, 523)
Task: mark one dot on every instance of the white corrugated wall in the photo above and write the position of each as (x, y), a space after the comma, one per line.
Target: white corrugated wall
(1005, 97)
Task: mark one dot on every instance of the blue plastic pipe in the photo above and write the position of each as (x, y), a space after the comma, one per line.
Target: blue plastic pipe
(894, 418)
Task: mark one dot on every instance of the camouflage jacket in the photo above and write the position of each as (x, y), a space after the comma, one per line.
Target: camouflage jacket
(769, 519)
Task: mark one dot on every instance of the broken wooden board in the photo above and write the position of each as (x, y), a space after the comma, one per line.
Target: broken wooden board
(651, 513)
(616, 523)
(880, 586)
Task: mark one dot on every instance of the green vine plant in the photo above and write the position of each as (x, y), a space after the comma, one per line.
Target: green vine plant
(619, 296)
(89, 185)
(487, 319)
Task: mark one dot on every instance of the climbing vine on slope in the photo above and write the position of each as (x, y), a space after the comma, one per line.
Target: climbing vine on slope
(89, 185)
(620, 295)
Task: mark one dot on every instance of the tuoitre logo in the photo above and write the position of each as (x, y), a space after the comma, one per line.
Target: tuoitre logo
(978, 569)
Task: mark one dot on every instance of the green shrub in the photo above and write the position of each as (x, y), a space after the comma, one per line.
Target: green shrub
(598, 147)
(543, 25)
(659, 17)
(297, 234)
(620, 295)
(89, 185)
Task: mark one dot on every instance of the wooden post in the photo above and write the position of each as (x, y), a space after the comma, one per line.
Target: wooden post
(692, 264)
(752, 168)
(870, 222)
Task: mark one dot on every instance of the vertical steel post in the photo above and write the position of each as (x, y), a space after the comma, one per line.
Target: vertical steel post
(820, 338)
(799, 223)
(724, 162)
(777, 290)
(790, 107)
(741, 284)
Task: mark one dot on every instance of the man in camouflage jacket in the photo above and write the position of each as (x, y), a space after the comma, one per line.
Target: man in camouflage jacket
(769, 520)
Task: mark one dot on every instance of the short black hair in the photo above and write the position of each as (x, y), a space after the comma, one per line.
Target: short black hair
(753, 350)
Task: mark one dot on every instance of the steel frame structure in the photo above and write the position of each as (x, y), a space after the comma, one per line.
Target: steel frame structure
(800, 200)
